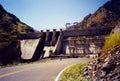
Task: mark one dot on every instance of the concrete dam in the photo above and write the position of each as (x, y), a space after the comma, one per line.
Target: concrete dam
(64, 43)
(42, 47)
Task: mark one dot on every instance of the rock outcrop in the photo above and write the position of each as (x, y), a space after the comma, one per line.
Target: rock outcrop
(107, 69)
(107, 15)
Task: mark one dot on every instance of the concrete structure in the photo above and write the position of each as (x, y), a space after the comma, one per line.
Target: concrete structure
(28, 48)
(70, 42)
(85, 45)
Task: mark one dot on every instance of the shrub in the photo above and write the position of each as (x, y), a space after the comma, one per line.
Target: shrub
(111, 41)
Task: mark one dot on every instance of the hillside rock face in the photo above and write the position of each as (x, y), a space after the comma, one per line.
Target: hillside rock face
(11, 28)
(116, 29)
(106, 16)
(107, 69)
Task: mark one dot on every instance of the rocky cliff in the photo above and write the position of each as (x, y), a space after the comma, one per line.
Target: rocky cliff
(107, 15)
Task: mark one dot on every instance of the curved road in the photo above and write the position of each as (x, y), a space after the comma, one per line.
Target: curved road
(38, 71)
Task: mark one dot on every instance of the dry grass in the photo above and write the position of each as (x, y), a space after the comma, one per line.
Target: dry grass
(74, 73)
(111, 41)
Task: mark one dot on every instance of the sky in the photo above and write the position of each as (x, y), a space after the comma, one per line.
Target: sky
(51, 14)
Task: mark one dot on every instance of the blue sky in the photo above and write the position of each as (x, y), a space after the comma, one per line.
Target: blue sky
(51, 14)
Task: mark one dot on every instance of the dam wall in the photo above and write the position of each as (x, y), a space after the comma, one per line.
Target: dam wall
(38, 54)
(84, 41)
(88, 32)
(28, 47)
(65, 42)
(51, 43)
(30, 36)
(40, 47)
(85, 45)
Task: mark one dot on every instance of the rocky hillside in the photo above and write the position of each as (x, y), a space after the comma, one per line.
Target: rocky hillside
(11, 29)
(107, 66)
(10, 24)
(107, 15)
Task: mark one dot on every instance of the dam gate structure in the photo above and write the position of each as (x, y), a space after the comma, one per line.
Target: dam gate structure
(65, 43)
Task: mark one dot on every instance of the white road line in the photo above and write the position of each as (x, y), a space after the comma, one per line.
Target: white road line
(57, 78)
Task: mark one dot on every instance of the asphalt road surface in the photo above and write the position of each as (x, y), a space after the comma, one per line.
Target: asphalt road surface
(38, 71)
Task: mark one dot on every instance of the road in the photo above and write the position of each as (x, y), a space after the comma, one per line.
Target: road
(38, 71)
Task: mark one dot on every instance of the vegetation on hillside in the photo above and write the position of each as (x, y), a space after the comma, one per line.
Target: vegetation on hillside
(74, 73)
(107, 15)
(11, 29)
(111, 41)
(10, 24)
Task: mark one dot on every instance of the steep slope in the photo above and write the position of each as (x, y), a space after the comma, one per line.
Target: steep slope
(10, 23)
(11, 28)
(106, 16)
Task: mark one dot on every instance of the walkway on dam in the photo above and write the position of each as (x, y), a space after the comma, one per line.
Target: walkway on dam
(38, 71)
